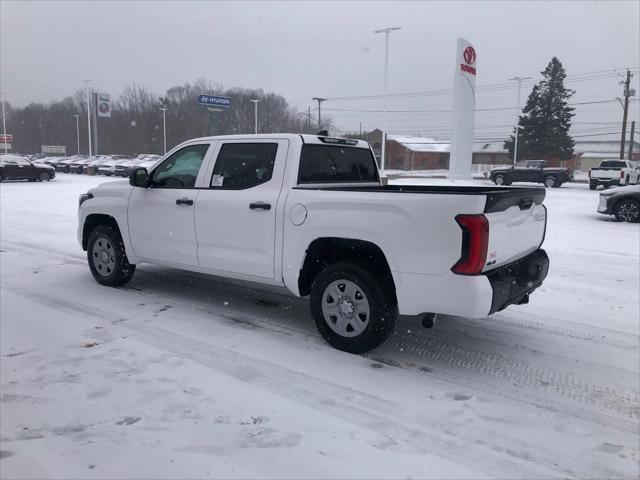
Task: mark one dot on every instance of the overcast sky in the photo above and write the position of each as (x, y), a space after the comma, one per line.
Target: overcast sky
(328, 49)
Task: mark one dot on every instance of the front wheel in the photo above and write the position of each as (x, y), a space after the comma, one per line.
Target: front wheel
(627, 211)
(44, 177)
(499, 180)
(351, 308)
(107, 257)
(550, 182)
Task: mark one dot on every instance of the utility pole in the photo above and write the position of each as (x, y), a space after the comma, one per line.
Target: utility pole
(255, 114)
(164, 127)
(627, 93)
(4, 125)
(95, 123)
(309, 117)
(515, 146)
(77, 132)
(319, 100)
(633, 130)
(86, 85)
(386, 32)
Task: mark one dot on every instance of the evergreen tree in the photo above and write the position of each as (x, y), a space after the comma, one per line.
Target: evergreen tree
(546, 119)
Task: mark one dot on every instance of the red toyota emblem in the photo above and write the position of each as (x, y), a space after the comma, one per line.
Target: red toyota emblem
(469, 55)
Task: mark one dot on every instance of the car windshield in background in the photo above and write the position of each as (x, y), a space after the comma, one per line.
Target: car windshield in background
(332, 163)
(613, 164)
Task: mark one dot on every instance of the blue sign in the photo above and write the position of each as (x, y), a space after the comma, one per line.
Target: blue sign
(214, 101)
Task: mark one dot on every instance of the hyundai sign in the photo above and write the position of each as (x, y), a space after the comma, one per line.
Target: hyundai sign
(214, 101)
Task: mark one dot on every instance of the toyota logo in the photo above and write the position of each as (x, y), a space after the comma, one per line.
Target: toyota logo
(469, 55)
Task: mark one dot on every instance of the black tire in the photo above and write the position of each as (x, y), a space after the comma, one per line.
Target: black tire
(593, 186)
(557, 185)
(550, 181)
(627, 211)
(626, 182)
(44, 176)
(113, 270)
(382, 313)
(500, 180)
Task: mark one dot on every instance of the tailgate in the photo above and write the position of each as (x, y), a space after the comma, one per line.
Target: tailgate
(607, 174)
(517, 225)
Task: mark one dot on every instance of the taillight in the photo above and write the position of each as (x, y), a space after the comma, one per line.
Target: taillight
(475, 243)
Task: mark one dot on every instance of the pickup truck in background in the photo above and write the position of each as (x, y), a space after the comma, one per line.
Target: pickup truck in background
(614, 173)
(309, 213)
(535, 171)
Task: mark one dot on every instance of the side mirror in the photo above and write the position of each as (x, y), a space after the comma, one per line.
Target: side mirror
(139, 178)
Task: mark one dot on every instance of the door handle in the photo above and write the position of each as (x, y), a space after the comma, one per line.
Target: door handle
(184, 201)
(260, 206)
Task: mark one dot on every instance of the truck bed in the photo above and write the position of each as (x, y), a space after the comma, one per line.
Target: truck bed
(498, 198)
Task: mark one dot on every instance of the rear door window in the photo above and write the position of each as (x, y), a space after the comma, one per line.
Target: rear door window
(336, 164)
(240, 166)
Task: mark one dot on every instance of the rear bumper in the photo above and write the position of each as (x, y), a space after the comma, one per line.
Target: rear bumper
(471, 295)
(512, 284)
(605, 182)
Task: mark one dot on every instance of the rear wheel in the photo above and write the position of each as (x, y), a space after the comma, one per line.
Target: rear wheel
(107, 257)
(627, 211)
(351, 309)
(550, 182)
(499, 180)
(626, 182)
(593, 186)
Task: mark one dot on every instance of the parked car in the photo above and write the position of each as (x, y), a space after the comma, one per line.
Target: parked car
(51, 161)
(535, 171)
(77, 166)
(310, 213)
(623, 202)
(614, 173)
(15, 167)
(64, 165)
(123, 169)
(109, 168)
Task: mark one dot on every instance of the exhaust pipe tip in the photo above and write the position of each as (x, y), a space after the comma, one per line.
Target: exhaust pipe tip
(429, 320)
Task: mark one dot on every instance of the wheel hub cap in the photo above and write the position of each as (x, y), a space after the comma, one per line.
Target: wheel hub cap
(103, 257)
(345, 308)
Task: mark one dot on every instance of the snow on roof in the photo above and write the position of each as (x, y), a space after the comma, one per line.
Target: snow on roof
(420, 144)
(605, 155)
(426, 144)
(610, 147)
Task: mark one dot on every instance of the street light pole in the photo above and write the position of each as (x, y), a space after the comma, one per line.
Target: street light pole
(86, 85)
(255, 114)
(77, 131)
(164, 127)
(515, 147)
(386, 32)
(4, 125)
(319, 100)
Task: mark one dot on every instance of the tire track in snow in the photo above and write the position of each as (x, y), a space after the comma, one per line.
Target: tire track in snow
(466, 444)
(486, 371)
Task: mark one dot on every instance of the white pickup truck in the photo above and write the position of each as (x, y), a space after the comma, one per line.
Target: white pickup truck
(309, 213)
(614, 173)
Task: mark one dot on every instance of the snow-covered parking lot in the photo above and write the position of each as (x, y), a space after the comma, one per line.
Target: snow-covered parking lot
(180, 375)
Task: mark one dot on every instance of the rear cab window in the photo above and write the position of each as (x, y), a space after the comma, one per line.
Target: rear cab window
(321, 163)
(613, 164)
